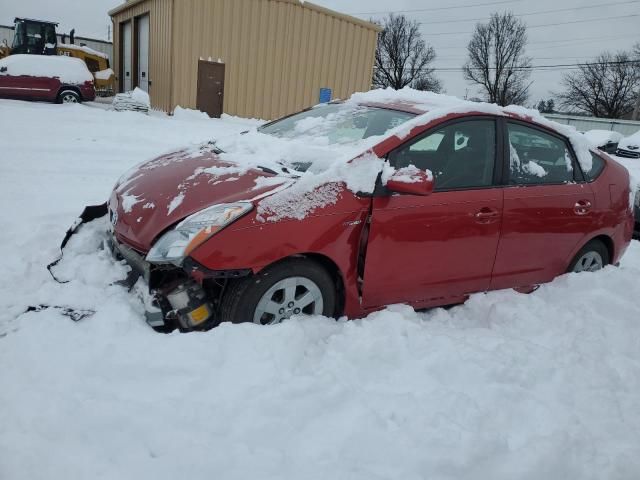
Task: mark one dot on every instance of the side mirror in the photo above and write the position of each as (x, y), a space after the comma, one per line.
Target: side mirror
(412, 181)
(3, 69)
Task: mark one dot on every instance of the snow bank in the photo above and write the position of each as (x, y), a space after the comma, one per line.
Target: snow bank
(67, 69)
(188, 113)
(141, 96)
(507, 386)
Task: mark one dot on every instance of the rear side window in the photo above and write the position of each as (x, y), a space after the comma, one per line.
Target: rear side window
(597, 167)
(537, 158)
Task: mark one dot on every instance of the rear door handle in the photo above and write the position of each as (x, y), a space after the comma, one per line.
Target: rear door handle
(487, 215)
(582, 207)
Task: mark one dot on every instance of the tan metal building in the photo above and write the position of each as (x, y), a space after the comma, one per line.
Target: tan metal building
(252, 58)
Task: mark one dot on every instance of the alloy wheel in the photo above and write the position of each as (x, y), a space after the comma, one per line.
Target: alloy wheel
(69, 98)
(589, 262)
(290, 296)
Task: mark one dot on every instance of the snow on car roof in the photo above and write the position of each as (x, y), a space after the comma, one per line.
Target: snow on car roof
(435, 106)
(67, 69)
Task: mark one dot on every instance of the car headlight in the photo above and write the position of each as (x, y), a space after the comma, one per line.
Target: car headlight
(194, 230)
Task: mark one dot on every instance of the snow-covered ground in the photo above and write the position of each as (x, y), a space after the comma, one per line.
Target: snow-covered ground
(545, 385)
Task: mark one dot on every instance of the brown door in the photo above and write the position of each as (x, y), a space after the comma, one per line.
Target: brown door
(210, 88)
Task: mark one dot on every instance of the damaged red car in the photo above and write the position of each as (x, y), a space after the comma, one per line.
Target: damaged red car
(344, 208)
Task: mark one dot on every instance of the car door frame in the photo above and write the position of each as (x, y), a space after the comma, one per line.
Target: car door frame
(498, 182)
(528, 278)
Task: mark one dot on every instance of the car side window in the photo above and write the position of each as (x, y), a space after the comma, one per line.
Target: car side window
(597, 166)
(538, 158)
(460, 155)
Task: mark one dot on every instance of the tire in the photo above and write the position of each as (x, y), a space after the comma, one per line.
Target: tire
(69, 96)
(272, 288)
(592, 257)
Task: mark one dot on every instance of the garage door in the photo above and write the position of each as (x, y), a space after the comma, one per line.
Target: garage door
(143, 52)
(127, 84)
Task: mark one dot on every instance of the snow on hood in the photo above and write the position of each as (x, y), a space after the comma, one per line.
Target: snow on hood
(599, 138)
(631, 140)
(67, 69)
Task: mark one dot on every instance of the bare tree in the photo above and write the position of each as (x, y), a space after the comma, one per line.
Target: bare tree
(497, 59)
(606, 87)
(403, 58)
(636, 110)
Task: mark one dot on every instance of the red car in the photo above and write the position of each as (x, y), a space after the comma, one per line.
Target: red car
(432, 208)
(47, 78)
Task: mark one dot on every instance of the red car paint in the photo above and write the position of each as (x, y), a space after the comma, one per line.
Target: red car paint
(422, 250)
(41, 88)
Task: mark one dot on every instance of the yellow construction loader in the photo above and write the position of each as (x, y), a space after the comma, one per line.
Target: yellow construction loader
(38, 37)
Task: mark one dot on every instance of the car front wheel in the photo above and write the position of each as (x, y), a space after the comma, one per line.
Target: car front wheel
(295, 286)
(594, 256)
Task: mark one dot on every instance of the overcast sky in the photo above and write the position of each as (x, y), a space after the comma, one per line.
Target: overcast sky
(597, 25)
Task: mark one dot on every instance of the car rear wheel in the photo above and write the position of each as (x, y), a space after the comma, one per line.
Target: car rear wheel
(68, 96)
(293, 287)
(594, 256)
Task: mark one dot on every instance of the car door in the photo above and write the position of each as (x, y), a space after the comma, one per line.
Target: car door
(9, 83)
(427, 249)
(15, 84)
(547, 208)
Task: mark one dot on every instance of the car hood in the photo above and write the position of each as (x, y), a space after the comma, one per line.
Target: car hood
(157, 194)
(630, 142)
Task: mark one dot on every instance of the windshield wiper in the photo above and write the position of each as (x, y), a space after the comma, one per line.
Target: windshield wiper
(267, 170)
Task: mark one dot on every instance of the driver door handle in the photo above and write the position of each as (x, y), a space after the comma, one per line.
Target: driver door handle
(487, 215)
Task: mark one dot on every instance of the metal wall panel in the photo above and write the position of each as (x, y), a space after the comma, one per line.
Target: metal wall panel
(278, 53)
(160, 31)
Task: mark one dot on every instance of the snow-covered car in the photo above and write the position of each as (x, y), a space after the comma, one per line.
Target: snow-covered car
(629, 147)
(605, 140)
(388, 197)
(47, 78)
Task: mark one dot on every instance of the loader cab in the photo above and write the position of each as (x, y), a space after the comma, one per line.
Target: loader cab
(34, 37)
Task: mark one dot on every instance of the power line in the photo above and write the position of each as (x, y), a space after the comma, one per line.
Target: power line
(561, 66)
(544, 25)
(439, 8)
(541, 12)
(576, 41)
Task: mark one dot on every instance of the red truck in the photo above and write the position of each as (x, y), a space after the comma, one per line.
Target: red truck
(46, 78)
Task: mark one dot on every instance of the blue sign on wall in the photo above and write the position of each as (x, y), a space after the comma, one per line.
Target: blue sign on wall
(325, 95)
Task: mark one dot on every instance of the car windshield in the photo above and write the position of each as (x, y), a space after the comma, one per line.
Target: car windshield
(337, 123)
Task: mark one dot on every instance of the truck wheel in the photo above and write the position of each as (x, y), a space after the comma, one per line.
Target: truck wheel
(68, 96)
(293, 287)
(594, 256)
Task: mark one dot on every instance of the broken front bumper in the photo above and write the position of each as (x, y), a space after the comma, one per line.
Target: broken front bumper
(172, 299)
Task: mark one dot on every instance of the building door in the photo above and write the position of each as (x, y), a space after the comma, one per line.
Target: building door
(142, 33)
(126, 82)
(210, 97)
